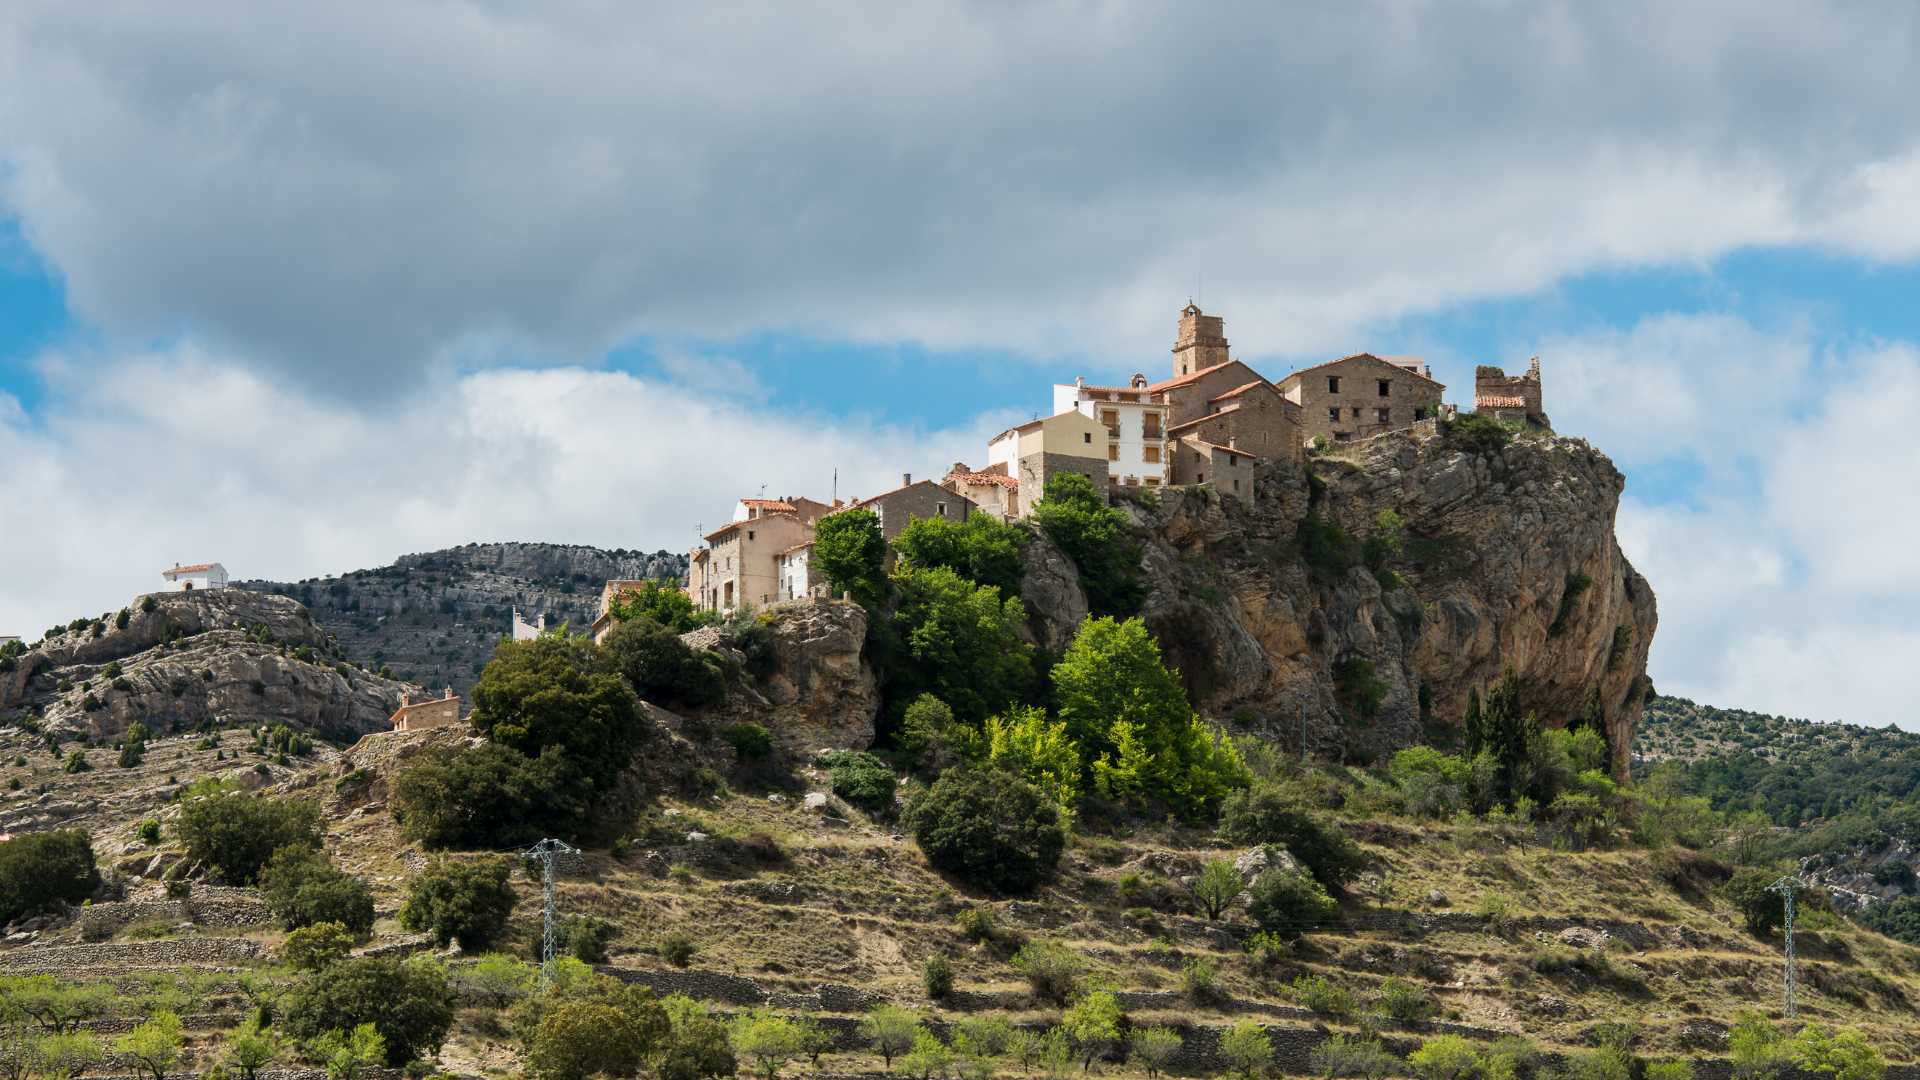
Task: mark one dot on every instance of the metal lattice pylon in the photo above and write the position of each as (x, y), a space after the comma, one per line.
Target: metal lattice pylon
(546, 851)
(1786, 887)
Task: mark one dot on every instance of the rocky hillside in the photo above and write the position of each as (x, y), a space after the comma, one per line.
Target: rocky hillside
(1362, 599)
(434, 618)
(182, 661)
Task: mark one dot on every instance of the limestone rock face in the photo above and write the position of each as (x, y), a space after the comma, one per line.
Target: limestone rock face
(227, 656)
(1050, 589)
(815, 689)
(1357, 662)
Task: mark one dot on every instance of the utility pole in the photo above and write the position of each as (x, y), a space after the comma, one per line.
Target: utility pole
(546, 851)
(1786, 887)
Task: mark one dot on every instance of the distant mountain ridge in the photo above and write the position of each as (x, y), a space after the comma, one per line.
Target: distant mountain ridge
(434, 617)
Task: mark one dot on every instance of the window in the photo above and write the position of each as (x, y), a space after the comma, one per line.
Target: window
(1343, 436)
(1232, 461)
(1236, 483)
(1153, 481)
(1200, 478)
(1111, 418)
(1086, 436)
(1420, 412)
(1333, 384)
(1150, 425)
(1333, 414)
(1113, 451)
(1356, 412)
(749, 534)
(1151, 455)
(1384, 387)
(1385, 415)
(941, 508)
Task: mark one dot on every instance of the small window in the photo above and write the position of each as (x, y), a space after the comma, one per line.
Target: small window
(1333, 384)
(1086, 436)
(1199, 478)
(1236, 483)
(1151, 455)
(1385, 415)
(1333, 414)
(1420, 413)
(1385, 385)
(1153, 481)
(1232, 462)
(749, 534)
(941, 508)
(1356, 412)
(1113, 451)
(1111, 418)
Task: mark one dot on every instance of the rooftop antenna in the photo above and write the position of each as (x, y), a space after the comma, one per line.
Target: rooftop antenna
(836, 483)
(546, 851)
(1786, 887)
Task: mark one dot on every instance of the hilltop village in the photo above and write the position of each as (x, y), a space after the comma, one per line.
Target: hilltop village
(1208, 424)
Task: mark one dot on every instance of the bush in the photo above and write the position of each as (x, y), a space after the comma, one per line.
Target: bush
(409, 1002)
(148, 831)
(1051, 970)
(1288, 903)
(661, 667)
(988, 828)
(560, 692)
(659, 602)
(77, 760)
(936, 977)
(1028, 744)
(586, 938)
(1358, 1056)
(1267, 816)
(234, 833)
(850, 551)
(983, 549)
(750, 741)
(1216, 887)
(1444, 1057)
(696, 1048)
(1246, 1048)
(317, 945)
(490, 796)
(1200, 980)
(890, 1030)
(975, 923)
(303, 887)
(930, 736)
(1405, 1001)
(677, 948)
(1435, 784)
(1154, 1048)
(597, 1028)
(41, 872)
(861, 779)
(458, 901)
(1750, 893)
(1322, 997)
(1472, 433)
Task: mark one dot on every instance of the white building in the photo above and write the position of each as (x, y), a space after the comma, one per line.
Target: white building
(795, 569)
(1136, 421)
(526, 631)
(198, 576)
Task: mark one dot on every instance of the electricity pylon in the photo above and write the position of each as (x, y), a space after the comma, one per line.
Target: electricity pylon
(546, 851)
(1786, 887)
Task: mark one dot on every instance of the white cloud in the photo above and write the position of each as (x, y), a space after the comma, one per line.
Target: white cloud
(358, 200)
(179, 456)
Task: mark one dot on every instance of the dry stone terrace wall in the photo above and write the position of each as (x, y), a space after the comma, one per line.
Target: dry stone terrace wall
(108, 958)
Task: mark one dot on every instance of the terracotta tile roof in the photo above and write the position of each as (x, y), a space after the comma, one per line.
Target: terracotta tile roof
(1364, 356)
(798, 547)
(1001, 479)
(1499, 401)
(1238, 390)
(767, 504)
(196, 568)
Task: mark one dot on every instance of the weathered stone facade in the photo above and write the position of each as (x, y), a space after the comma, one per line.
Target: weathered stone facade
(992, 489)
(1253, 418)
(1360, 396)
(1509, 397)
(413, 715)
(1037, 469)
(1229, 470)
(924, 499)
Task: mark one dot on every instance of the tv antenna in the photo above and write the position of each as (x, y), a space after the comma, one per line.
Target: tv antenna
(546, 851)
(1786, 887)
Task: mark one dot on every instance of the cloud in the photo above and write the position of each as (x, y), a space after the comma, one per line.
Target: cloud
(366, 197)
(183, 456)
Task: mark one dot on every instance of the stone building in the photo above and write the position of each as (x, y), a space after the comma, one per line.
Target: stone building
(910, 500)
(1509, 397)
(1360, 396)
(739, 563)
(796, 575)
(603, 620)
(1136, 421)
(991, 489)
(1230, 471)
(1038, 450)
(412, 715)
(198, 576)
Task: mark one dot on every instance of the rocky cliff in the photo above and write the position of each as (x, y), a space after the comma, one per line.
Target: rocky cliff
(1308, 615)
(434, 617)
(176, 661)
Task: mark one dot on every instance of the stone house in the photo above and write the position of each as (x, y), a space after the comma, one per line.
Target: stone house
(991, 489)
(527, 631)
(1509, 397)
(198, 576)
(443, 711)
(1136, 421)
(1038, 450)
(1252, 418)
(603, 620)
(910, 500)
(739, 562)
(1360, 396)
(1230, 471)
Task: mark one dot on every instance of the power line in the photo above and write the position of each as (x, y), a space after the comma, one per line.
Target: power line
(1786, 887)
(546, 851)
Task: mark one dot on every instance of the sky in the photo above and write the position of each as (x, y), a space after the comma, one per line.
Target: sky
(303, 288)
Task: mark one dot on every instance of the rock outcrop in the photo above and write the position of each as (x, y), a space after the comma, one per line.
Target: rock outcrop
(177, 661)
(808, 682)
(1506, 560)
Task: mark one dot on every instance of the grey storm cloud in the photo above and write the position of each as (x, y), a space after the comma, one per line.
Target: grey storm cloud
(355, 194)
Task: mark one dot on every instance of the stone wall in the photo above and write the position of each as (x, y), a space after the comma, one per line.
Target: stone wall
(1263, 424)
(71, 960)
(1036, 469)
(1509, 397)
(1409, 398)
(925, 499)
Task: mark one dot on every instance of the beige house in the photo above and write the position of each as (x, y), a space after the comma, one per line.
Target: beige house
(739, 564)
(1038, 450)
(1360, 396)
(603, 621)
(443, 711)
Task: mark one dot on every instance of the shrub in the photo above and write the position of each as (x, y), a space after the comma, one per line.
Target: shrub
(988, 828)
(303, 887)
(1750, 893)
(464, 902)
(975, 923)
(956, 640)
(890, 1030)
(1200, 980)
(860, 778)
(1679, 1069)
(1577, 583)
(148, 831)
(1472, 433)
(77, 760)
(234, 833)
(1322, 997)
(1405, 1001)
(40, 872)
(1267, 816)
(1154, 1048)
(936, 977)
(983, 549)
(1288, 903)
(586, 938)
(1843, 1055)
(1358, 1056)
(1051, 970)
(849, 550)
(155, 1044)
(599, 1032)
(1091, 533)
(1435, 784)
(1246, 1048)
(662, 603)
(661, 667)
(677, 948)
(930, 736)
(1216, 887)
(750, 741)
(408, 1002)
(489, 796)
(316, 945)
(1444, 1057)
(560, 692)
(1328, 550)
(1358, 687)
(696, 1048)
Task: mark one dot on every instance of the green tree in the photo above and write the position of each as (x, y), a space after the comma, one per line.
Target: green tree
(987, 827)
(302, 887)
(1091, 533)
(1288, 903)
(155, 1044)
(932, 738)
(983, 548)
(1247, 1048)
(40, 872)
(1844, 1055)
(1444, 1057)
(348, 1053)
(849, 549)
(234, 833)
(928, 1059)
(1154, 1048)
(661, 667)
(860, 778)
(1216, 887)
(958, 641)
(889, 1029)
(1357, 1056)
(490, 796)
(1051, 969)
(65, 1055)
(1751, 893)
(251, 1048)
(559, 691)
(467, 902)
(659, 602)
(696, 1048)
(1094, 1024)
(580, 1038)
(1757, 1049)
(1026, 742)
(768, 1040)
(409, 1003)
(316, 945)
(58, 1005)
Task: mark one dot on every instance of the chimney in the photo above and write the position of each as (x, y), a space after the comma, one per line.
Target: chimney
(906, 478)
(1233, 442)
(449, 696)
